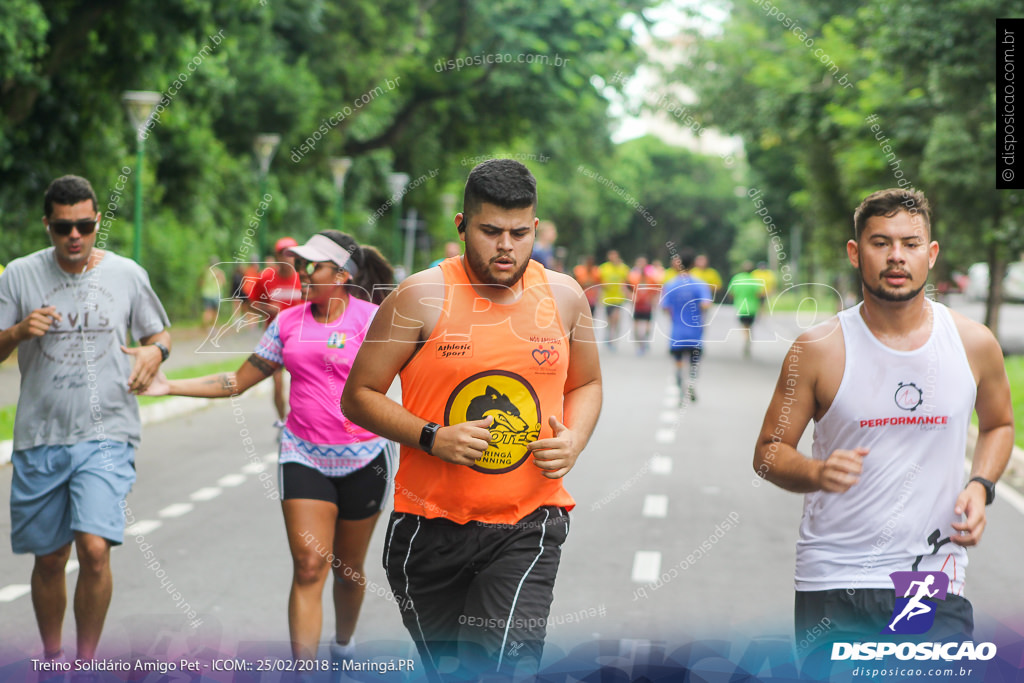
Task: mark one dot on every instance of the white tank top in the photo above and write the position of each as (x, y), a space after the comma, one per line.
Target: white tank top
(912, 409)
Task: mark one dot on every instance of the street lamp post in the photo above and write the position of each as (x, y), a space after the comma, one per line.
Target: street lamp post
(447, 211)
(339, 168)
(140, 105)
(264, 145)
(397, 183)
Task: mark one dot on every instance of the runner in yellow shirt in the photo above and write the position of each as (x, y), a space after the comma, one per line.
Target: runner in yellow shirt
(614, 293)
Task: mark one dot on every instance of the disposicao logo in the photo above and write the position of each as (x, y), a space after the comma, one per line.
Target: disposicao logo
(914, 614)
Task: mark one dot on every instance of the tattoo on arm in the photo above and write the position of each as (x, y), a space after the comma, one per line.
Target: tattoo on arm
(227, 382)
(260, 364)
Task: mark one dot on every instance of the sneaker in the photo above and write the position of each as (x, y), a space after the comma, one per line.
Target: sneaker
(692, 394)
(339, 654)
(59, 673)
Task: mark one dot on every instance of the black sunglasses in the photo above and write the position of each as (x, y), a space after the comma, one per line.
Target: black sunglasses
(63, 228)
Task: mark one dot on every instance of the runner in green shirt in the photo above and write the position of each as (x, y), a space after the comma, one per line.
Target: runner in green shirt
(747, 292)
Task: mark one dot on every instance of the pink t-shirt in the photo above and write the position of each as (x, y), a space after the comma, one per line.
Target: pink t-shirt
(319, 358)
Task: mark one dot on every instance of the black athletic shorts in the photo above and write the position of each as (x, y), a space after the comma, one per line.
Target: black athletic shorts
(692, 352)
(358, 495)
(641, 314)
(825, 617)
(747, 320)
(475, 597)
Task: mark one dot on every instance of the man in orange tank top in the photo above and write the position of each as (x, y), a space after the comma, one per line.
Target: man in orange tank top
(501, 389)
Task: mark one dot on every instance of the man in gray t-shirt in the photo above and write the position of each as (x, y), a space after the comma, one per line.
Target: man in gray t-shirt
(68, 310)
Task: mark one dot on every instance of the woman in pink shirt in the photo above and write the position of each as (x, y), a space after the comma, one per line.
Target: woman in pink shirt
(335, 476)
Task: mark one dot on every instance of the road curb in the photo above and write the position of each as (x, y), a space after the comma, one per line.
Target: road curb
(157, 412)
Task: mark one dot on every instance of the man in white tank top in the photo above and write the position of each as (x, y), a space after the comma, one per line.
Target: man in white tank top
(891, 384)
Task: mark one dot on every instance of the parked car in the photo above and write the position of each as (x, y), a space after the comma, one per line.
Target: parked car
(1013, 283)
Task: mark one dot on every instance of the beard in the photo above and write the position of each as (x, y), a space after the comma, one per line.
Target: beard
(879, 291)
(482, 272)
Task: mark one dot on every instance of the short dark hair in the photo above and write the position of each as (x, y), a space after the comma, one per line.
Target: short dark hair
(686, 258)
(506, 183)
(68, 190)
(888, 203)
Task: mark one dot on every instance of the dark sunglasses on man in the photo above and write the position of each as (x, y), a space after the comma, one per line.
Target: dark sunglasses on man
(63, 228)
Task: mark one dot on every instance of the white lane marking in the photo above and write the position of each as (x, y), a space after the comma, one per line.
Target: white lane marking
(669, 416)
(207, 493)
(14, 591)
(176, 510)
(143, 527)
(655, 506)
(646, 566)
(665, 436)
(1013, 498)
(672, 389)
(231, 480)
(671, 402)
(661, 464)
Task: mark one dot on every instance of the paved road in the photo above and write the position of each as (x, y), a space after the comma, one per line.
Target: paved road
(655, 484)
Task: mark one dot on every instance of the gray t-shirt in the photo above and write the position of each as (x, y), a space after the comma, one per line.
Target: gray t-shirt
(74, 379)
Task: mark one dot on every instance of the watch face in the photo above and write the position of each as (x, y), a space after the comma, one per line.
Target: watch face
(427, 436)
(990, 489)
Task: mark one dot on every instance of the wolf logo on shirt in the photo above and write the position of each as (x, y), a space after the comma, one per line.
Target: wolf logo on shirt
(514, 408)
(495, 404)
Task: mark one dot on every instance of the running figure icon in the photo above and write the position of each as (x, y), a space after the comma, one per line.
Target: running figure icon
(914, 606)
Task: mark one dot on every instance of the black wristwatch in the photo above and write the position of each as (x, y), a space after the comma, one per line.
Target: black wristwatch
(427, 436)
(164, 351)
(990, 488)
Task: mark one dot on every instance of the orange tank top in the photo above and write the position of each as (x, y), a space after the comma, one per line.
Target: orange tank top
(507, 361)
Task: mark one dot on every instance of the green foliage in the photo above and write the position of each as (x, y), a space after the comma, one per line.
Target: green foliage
(925, 78)
(366, 79)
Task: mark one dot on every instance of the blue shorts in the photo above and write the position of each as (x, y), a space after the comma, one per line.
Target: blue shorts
(58, 490)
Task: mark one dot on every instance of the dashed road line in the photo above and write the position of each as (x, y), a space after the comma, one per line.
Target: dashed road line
(143, 527)
(14, 591)
(207, 493)
(176, 510)
(646, 566)
(661, 464)
(655, 506)
(665, 436)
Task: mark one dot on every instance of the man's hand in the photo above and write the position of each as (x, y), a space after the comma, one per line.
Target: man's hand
(971, 502)
(38, 322)
(557, 455)
(841, 470)
(147, 364)
(463, 443)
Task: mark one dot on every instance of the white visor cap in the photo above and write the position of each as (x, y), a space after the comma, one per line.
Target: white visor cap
(321, 248)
